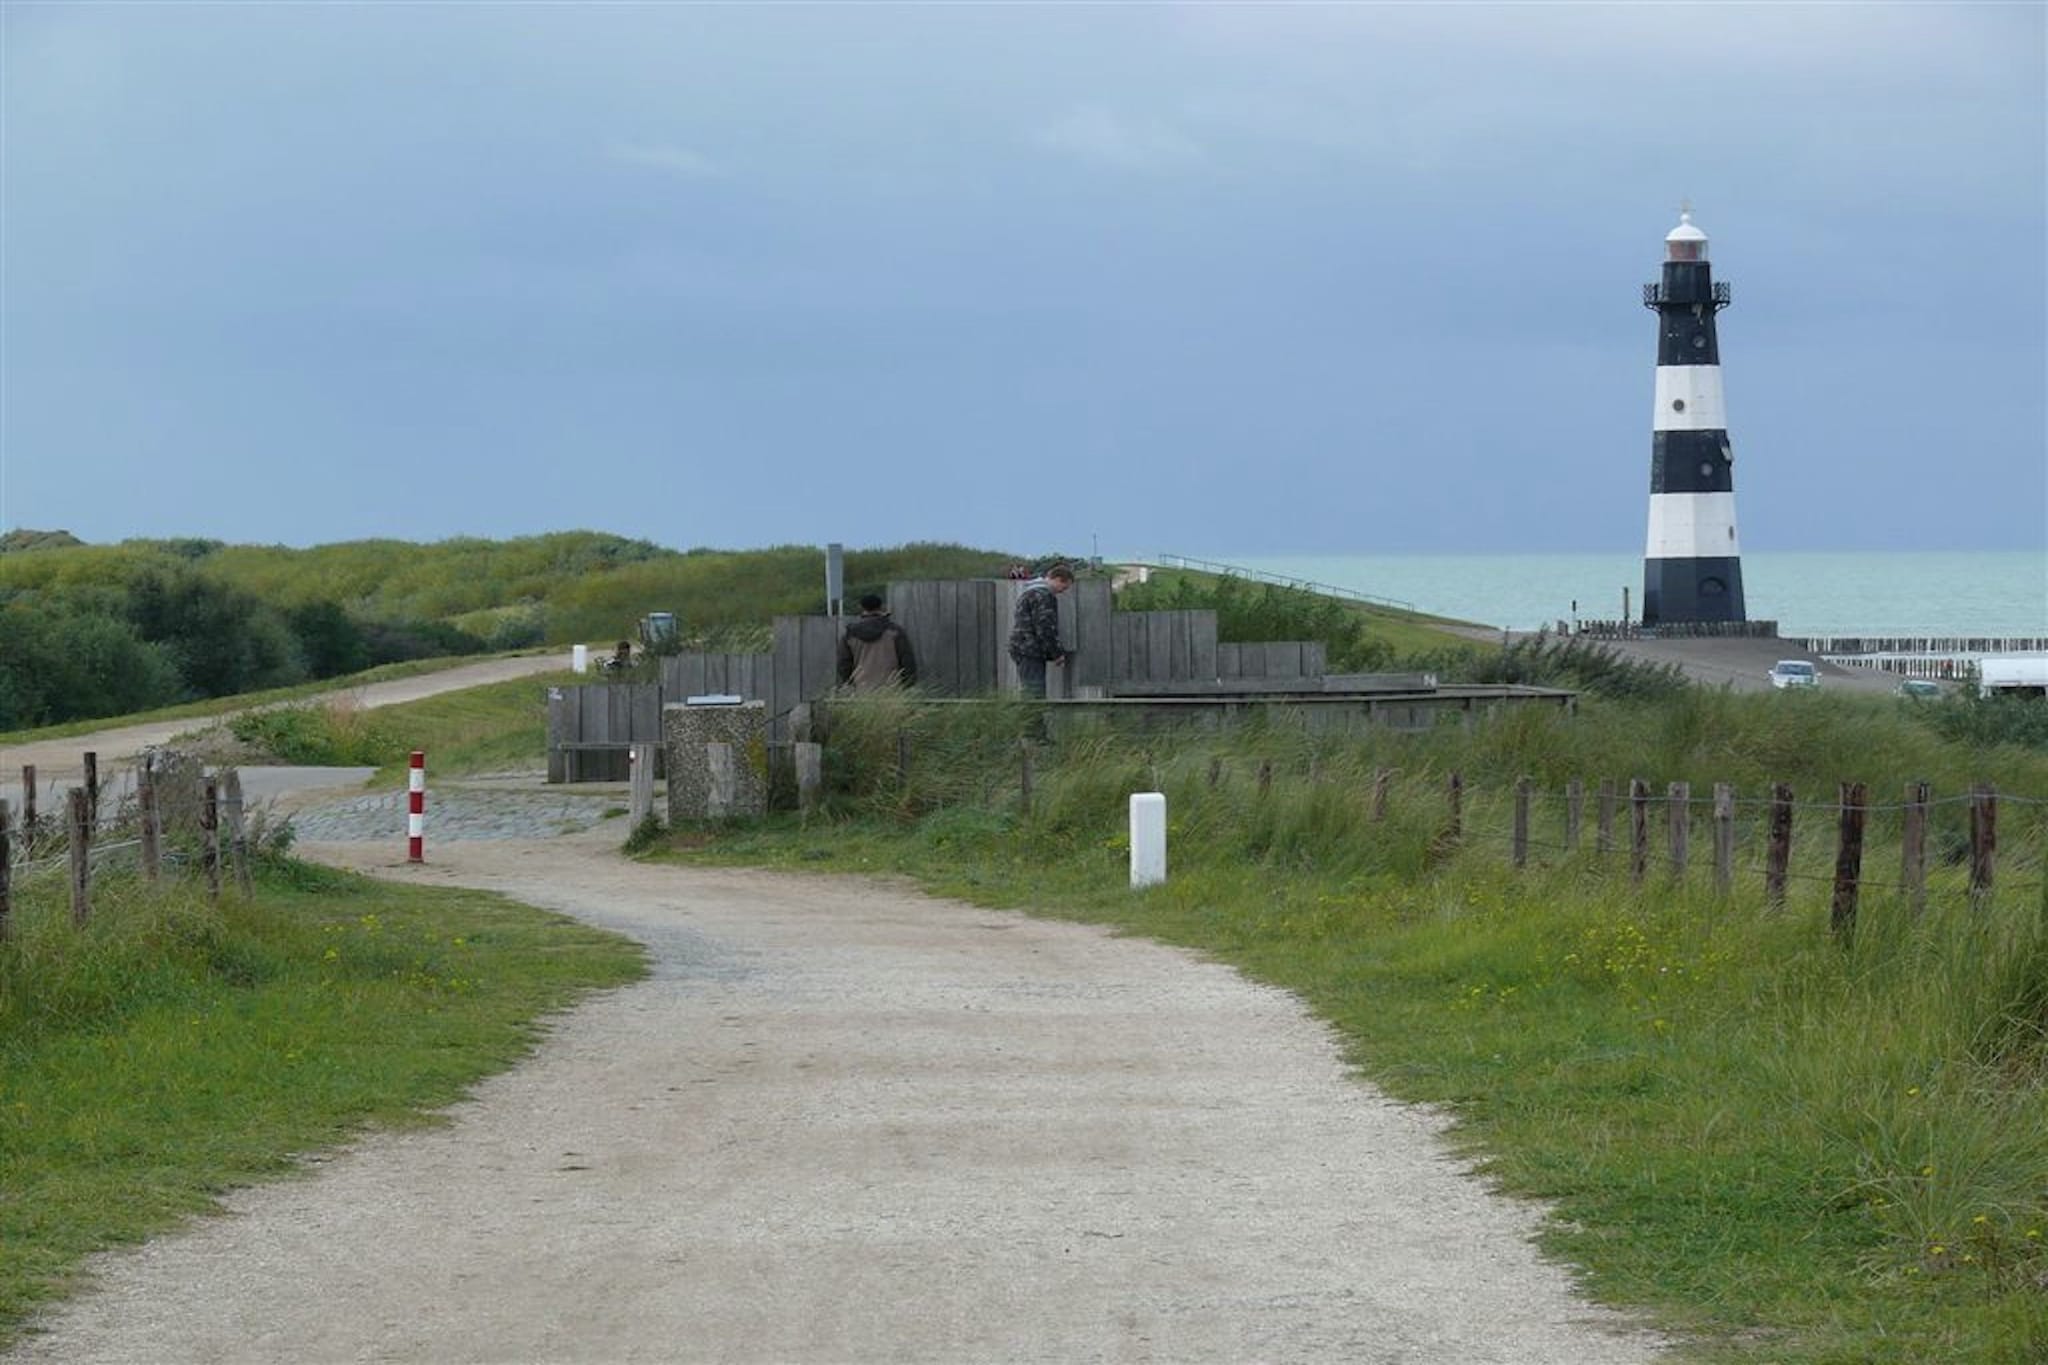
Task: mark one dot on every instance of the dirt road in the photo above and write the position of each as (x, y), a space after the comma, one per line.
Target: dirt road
(846, 1122)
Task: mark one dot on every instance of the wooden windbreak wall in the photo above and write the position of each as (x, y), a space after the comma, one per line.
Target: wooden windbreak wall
(606, 718)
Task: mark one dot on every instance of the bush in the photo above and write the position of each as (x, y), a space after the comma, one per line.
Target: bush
(337, 734)
(1247, 612)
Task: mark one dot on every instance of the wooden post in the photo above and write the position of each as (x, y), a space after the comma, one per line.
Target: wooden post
(1724, 837)
(209, 833)
(1381, 779)
(1678, 823)
(1265, 776)
(1215, 772)
(1025, 775)
(238, 839)
(92, 788)
(1848, 860)
(721, 787)
(1603, 831)
(28, 807)
(81, 858)
(1574, 813)
(1521, 844)
(6, 874)
(1983, 841)
(640, 774)
(152, 828)
(1778, 854)
(1454, 792)
(1913, 846)
(1638, 830)
(810, 775)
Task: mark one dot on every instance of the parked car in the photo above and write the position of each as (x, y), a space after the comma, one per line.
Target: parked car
(1920, 689)
(1793, 673)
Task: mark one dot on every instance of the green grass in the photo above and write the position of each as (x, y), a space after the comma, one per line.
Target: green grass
(1402, 633)
(498, 727)
(169, 1051)
(1785, 1147)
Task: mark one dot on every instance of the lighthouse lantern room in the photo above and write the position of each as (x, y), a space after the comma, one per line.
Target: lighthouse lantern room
(1692, 566)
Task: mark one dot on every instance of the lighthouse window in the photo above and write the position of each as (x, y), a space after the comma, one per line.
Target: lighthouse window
(1699, 339)
(1678, 405)
(1707, 469)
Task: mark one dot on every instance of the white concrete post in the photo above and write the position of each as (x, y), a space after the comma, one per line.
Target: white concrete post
(1148, 839)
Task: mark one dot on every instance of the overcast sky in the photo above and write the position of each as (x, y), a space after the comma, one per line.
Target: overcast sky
(1203, 279)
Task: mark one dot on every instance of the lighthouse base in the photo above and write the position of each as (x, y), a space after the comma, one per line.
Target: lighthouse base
(1692, 590)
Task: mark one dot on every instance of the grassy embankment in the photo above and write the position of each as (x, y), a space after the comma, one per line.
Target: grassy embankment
(169, 1050)
(1786, 1147)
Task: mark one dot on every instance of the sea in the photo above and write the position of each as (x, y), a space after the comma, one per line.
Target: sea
(1808, 593)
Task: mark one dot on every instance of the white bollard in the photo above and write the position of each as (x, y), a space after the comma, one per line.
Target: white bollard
(579, 658)
(1148, 839)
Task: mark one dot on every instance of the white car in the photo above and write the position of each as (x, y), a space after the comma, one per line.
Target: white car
(1793, 673)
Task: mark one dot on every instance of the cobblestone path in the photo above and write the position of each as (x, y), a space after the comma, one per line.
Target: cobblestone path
(459, 813)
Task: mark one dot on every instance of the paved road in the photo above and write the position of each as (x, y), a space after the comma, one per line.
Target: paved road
(1737, 664)
(846, 1122)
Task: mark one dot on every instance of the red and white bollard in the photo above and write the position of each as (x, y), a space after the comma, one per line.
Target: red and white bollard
(416, 816)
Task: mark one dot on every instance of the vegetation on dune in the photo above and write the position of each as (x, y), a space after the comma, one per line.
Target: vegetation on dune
(101, 630)
(1790, 1145)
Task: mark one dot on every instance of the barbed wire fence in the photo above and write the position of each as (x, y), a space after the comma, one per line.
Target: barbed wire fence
(172, 794)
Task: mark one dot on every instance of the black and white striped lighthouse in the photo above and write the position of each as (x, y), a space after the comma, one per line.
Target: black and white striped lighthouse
(1692, 566)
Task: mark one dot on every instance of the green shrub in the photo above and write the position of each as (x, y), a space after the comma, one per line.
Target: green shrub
(334, 734)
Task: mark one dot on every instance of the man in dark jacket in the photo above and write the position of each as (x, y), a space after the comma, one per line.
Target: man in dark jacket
(1035, 630)
(875, 651)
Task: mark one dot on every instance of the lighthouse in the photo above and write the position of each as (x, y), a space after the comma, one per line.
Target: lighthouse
(1692, 566)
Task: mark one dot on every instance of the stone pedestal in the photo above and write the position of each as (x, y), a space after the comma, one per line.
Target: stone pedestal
(717, 760)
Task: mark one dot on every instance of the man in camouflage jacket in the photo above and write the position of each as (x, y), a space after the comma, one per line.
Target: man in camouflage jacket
(1035, 630)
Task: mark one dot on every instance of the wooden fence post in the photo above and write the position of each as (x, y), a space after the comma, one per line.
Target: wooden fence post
(92, 788)
(1521, 822)
(81, 858)
(238, 840)
(1913, 846)
(1848, 861)
(1215, 772)
(721, 787)
(1724, 837)
(1025, 775)
(810, 776)
(1265, 776)
(1778, 854)
(1603, 832)
(1381, 779)
(1574, 812)
(1638, 830)
(6, 874)
(1455, 795)
(1983, 841)
(28, 807)
(1678, 823)
(209, 833)
(145, 810)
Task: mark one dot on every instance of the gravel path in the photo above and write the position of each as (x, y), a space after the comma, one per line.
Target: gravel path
(847, 1122)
